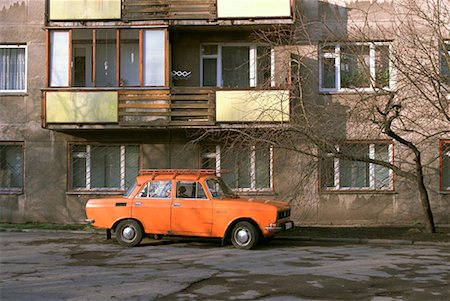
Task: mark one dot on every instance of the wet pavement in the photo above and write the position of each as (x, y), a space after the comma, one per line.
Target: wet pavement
(83, 266)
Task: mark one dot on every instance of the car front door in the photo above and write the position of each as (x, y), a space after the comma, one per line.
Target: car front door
(152, 206)
(191, 210)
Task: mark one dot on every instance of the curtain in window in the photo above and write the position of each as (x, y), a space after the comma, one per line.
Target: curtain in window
(12, 69)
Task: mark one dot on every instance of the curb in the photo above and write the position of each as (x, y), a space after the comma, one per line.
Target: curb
(285, 238)
(364, 241)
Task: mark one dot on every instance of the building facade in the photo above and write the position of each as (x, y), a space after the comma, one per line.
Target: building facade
(91, 94)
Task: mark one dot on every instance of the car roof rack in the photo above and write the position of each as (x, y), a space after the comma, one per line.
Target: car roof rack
(175, 172)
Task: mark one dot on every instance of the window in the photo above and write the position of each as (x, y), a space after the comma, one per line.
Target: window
(190, 190)
(242, 169)
(107, 57)
(445, 63)
(13, 68)
(343, 174)
(157, 189)
(445, 165)
(236, 66)
(103, 167)
(11, 167)
(356, 66)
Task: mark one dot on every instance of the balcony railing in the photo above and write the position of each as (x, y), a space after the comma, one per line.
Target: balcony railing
(163, 107)
(169, 9)
(175, 107)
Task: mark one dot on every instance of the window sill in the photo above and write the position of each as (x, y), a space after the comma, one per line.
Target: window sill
(354, 91)
(11, 192)
(354, 191)
(11, 93)
(95, 192)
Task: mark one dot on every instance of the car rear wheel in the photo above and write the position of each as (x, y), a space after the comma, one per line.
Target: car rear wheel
(129, 233)
(244, 235)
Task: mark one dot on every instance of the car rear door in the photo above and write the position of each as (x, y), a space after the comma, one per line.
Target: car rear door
(191, 212)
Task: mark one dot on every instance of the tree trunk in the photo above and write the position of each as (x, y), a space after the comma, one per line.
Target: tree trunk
(424, 199)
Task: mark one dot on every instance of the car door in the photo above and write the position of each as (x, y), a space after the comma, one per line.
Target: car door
(152, 206)
(191, 212)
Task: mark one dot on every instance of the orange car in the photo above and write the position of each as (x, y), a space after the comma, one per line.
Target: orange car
(187, 203)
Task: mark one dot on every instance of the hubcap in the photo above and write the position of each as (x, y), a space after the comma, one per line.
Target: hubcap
(128, 232)
(242, 236)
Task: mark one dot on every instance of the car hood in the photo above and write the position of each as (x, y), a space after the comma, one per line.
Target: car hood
(280, 205)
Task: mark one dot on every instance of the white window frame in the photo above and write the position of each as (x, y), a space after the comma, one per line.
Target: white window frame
(87, 155)
(336, 55)
(372, 176)
(217, 155)
(19, 46)
(253, 62)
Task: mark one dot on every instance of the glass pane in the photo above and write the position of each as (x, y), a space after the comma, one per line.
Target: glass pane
(354, 174)
(154, 57)
(82, 58)
(105, 167)
(11, 166)
(106, 58)
(382, 66)
(12, 68)
(208, 157)
(158, 189)
(355, 67)
(59, 59)
(131, 164)
(446, 166)
(78, 166)
(445, 64)
(263, 168)
(129, 58)
(209, 72)
(382, 174)
(326, 167)
(263, 66)
(236, 166)
(235, 66)
(209, 49)
(186, 189)
(200, 194)
(328, 73)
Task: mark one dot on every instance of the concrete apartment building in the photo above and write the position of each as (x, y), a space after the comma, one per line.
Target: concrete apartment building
(92, 91)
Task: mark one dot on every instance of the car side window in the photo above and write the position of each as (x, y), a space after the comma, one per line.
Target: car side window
(156, 189)
(190, 190)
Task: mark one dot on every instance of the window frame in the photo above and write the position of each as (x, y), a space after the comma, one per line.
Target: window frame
(25, 89)
(253, 63)
(88, 188)
(443, 145)
(11, 190)
(143, 53)
(336, 55)
(252, 189)
(372, 175)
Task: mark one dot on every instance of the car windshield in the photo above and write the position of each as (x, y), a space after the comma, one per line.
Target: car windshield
(219, 189)
(127, 194)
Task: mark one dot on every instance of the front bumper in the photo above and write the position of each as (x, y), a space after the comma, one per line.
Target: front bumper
(280, 227)
(89, 221)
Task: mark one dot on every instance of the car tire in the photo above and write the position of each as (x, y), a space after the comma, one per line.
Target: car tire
(244, 236)
(129, 233)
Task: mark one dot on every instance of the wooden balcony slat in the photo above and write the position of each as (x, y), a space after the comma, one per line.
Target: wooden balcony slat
(162, 114)
(190, 106)
(144, 98)
(144, 106)
(189, 113)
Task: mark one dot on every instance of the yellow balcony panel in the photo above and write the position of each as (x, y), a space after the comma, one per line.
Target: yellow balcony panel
(240, 9)
(84, 9)
(252, 106)
(81, 107)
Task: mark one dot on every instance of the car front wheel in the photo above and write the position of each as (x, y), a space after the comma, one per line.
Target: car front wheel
(129, 233)
(244, 236)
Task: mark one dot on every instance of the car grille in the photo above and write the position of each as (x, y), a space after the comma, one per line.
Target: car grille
(284, 214)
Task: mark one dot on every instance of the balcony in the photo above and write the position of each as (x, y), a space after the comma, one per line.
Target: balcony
(177, 107)
(176, 10)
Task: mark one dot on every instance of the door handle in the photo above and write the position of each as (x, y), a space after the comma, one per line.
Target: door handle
(176, 204)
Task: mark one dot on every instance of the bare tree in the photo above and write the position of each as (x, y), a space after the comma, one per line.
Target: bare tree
(392, 69)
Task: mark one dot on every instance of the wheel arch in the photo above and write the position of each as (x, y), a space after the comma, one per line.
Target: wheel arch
(226, 236)
(116, 223)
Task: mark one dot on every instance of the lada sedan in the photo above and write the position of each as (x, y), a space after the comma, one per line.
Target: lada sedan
(187, 203)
